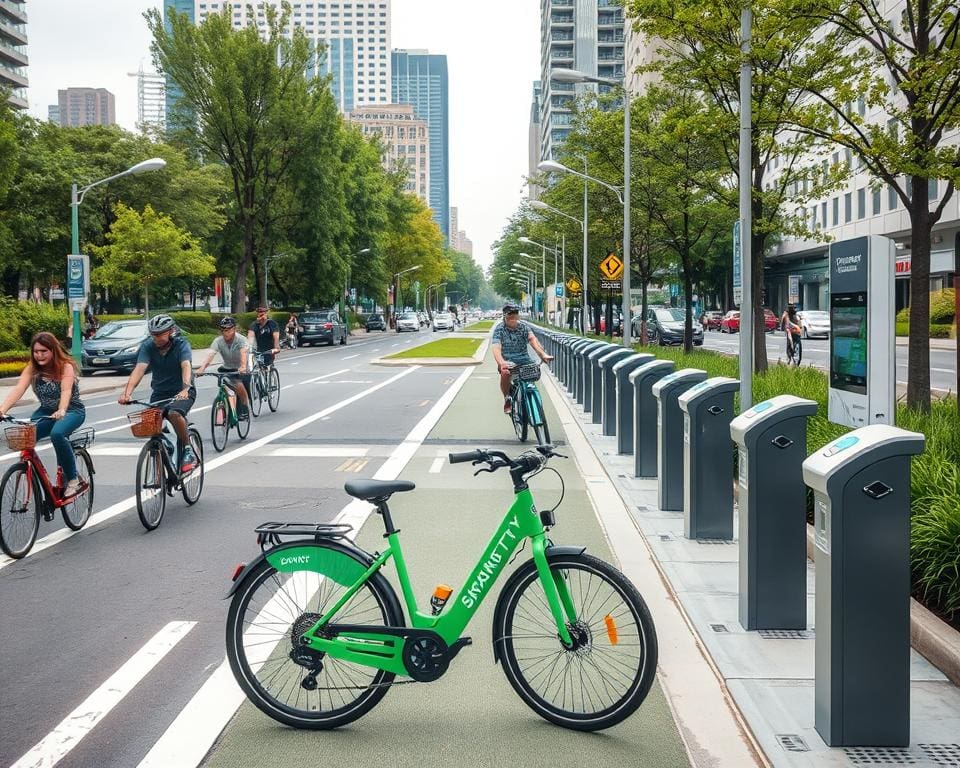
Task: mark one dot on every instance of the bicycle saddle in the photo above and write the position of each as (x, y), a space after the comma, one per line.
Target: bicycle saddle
(376, 490)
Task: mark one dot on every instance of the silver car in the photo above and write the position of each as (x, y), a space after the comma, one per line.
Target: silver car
(815, 323)
(443, 321)
(408, 321)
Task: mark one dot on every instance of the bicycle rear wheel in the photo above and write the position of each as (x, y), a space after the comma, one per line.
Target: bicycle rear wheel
(608, 672)
(268, 614)
(19, 512)
(256, 392)
(151, 482)
(797, 355)
(273, 389)
(192, 482)
(219, 424)
(77, 512)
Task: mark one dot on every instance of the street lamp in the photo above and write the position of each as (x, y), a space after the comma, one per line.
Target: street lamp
(543, 263)
(542, 206)
(346, 280)
(396, 289)
(562, 75)
(76, 198)
(530, 275)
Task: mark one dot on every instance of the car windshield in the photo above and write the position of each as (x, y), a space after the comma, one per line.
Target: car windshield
(817, 314)
(122, 331)
(374, 317)
(443, 316)
(673, 315)
(408, 316)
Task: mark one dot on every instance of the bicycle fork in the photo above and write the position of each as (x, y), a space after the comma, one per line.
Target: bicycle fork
(555, 590)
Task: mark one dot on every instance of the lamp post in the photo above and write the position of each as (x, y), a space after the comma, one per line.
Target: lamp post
(530, 276)
(76, 198)
(396, 290)
(346, 280)
(543, 264)
(542, 206)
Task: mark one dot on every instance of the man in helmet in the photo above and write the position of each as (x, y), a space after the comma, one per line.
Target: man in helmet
(169, 360)
(510, 338)
(232, 348)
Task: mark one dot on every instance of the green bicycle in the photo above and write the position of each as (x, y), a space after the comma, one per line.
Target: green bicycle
(223, 414)
(316, 634)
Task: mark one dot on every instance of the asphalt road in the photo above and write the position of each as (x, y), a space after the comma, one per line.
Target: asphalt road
(943, 362)
(80, 609)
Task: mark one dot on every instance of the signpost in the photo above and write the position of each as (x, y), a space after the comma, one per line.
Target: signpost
(793, 290)
(611, 267)
(737, 265)
(574, 285)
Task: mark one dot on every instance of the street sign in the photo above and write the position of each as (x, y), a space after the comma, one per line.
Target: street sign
(737, 265)
(559, 291)
(611, 285)
(611, 267)
(793, 290)
(78, 281)
(573, 285)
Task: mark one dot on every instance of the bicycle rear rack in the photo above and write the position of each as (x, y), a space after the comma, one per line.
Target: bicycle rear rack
(270, 534)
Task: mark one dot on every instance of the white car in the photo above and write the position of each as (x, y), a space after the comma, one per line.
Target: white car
(408, 321)
(443, 321)
(815, 323)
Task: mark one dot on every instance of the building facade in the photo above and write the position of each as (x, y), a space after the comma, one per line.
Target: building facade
(533, 143)
(586, 35)
(53, 114)
(404, 140)
(13, 51)
(420, 79)
(86, 106)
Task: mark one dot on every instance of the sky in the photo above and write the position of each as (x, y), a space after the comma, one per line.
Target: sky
(493, 57)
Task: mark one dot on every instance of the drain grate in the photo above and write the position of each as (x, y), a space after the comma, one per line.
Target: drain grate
(877, 756)
(666, 537)
(947, 755)
(785, 634)
(720, 628)
(643, 508)
(792, 743)
(714, 541)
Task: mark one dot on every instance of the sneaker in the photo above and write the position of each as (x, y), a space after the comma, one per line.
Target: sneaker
(72, 488)
(508, 405)
(189, 461)
(242, 411)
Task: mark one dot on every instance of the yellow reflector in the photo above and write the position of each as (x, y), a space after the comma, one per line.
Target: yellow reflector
(611, 628)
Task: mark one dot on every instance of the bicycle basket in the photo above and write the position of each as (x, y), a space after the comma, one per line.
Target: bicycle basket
(21, 437)
(529, 372)
(83, 438)
(146, 423)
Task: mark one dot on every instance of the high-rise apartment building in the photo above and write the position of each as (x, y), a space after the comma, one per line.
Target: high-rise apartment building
(404, 139)
(86, 106)
(151, 100)
(587, 35)
(13, 51)
(420, 79)
(53, 114)
(533, 142)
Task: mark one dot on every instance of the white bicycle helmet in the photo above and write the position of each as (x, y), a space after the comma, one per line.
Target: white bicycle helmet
(160, 323)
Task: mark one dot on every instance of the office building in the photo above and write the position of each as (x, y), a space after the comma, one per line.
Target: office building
(151, 100)
(587, 35)
(420, 78)
(404, 139)
(171, 91)
(533, 142)
(86, 106)
(13, 51)
(53, 114)
(459, 241)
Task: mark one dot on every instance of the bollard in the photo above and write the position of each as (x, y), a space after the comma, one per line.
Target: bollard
(606, 412)
(645, 415)
(670, 435)
(623, 410)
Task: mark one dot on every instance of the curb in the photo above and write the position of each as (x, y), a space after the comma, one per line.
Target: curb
(930, 636)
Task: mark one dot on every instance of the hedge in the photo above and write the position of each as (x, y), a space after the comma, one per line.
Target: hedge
(942, 308)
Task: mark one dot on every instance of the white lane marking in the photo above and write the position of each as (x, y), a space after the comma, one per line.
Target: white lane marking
(394, 345)
(122, 506)
(325, 376)
(57, 744)
(375, 349)
(321, 451)
(350, 357)
(115, 449)
(193, 732)
(436, 466)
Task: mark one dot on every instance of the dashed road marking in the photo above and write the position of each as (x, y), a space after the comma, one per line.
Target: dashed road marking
(321, 451)
(352, 465)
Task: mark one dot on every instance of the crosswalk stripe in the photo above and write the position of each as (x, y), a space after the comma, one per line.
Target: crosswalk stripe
(57, 744)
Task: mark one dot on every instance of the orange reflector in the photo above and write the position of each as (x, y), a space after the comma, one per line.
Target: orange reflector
(611, 628)
(237, 571)
(442, 592)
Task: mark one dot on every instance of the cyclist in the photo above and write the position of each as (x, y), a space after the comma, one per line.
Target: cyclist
(291, 330)
(52, 374)
(791, 327)
(169, 359)
(510, 338)
(232, 348)
(264, 336)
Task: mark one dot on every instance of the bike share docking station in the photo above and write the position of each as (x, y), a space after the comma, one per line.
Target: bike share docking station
(670, 435)
(861, 485)
(642, 380)
(602, 363)
(707, 458)
(608, 390)
(576, 372)
(589, 355)
(772, 501)
(620, 422)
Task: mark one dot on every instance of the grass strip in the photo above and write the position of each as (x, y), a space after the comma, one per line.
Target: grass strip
(480, 325)
(440, 348)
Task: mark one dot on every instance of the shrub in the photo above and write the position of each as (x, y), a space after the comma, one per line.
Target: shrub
(8, 369)
(34, 318)
(195, 322)
(943, 306)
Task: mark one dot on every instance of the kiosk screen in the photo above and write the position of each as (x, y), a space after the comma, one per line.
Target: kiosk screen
(848, 342)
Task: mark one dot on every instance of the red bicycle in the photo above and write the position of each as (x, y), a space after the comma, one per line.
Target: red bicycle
(26, 492)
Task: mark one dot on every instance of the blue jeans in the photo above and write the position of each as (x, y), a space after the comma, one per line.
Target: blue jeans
(59, 433)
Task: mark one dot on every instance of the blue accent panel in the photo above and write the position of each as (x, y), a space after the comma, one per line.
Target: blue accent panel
(335, 67)
(173, 92)
(348, 69)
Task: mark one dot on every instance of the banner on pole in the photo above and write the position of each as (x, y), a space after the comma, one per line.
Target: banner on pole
(737, 265)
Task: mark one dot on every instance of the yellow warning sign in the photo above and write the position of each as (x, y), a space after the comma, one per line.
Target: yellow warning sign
(611, 267)
(573, 285)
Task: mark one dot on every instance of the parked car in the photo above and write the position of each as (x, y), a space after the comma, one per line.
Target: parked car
(443, 321)
(616, 323)
(114, 347)
(710, 320)
(408, 321)
(322, 325)
(665, 326)
(375, 323)
(770, 321)
(730, 322)
(815, 323)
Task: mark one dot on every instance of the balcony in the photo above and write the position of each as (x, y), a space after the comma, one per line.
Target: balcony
(562, 4)
(611, 57)
(561, 19)
(555, 36)
(610, 20)
(9, 75)
(558, 87)
(562, 54)
(610, 39)
(16, 10)
(14, 33)
(11, 54)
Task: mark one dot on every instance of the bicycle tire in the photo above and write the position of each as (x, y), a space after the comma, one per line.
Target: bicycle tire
(540, 429)
(151, 485)
(243, 424)
(256, 392)
(219, 424)
(15, 514)
(797, 352)
(76, 513)
(291, 597)
(273, 390)
(525, 615)
(519, 415)
(191, 484)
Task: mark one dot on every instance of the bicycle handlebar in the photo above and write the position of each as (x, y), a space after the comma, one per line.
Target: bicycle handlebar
(459, 458)
(526, 462)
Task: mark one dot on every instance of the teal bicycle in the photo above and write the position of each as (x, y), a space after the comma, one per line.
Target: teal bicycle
(316, 634)
(527, 408)
(224, 415)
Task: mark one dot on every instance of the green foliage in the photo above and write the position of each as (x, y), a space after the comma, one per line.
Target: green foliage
(943, 307)
(33, 318)
(15, 356)
(8, 370)
(450, 347)
(201, 340)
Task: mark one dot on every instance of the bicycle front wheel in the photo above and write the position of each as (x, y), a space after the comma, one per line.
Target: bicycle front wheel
(19, 512)
(537, 417)
(77, 512)
(269, 613)
(797, 352)
(607, 673)
(273, 389)
(219, 424)
(151, 482)
(243, 423)
(519, 415)
(256, 392)
(192, 482)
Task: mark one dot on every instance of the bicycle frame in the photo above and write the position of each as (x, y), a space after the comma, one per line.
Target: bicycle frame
(36, 472)
(383, 650)
(223, 393)
(533, 410)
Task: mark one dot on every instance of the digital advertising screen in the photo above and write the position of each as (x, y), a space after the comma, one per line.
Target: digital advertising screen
(848, 342)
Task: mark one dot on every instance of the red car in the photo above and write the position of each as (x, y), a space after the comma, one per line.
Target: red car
(731, 321)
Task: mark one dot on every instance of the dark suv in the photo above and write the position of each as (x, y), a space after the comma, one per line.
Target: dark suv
(665, 326)
(114, 347)
(376, 323)
(322, 325)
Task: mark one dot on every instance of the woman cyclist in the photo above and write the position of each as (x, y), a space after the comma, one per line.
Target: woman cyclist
(290, 340)
(53, 375)
(792, 329)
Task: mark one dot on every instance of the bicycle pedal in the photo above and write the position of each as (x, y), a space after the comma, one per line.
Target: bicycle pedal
(48, 515)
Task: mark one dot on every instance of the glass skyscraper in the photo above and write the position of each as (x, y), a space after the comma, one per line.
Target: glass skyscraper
(420, 78)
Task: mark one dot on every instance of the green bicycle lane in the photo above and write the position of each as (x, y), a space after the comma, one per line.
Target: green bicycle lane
(470, 716)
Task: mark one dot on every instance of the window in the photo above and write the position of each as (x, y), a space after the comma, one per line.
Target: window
(847, 207)
(861, 203)
(891, 198)
(876, 201)
(836, 211)
(933, 188)
(823, 213)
